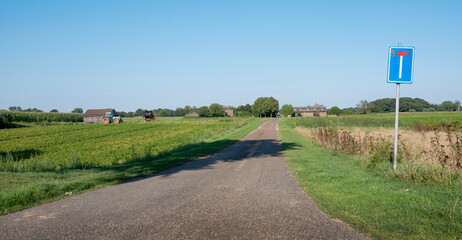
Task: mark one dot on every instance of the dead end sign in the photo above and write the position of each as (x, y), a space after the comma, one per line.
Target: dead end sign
(400, 65)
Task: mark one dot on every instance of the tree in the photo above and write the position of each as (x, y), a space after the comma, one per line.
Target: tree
(334, 111)
(122, 114)
(375, 109)
(216, 110)
(287, 110)
(54, 110)
(265, 107)
(33, 110)
(457, 105)
(139, 112)
(15, 108)
(180, 112)
(273, 107)
(166, 113)
(362, 107)
(448, 106)
(188, 109)
(203, 111)
(77, 110)
(347, 111)
(405, 104)
(244, 110)
(257, 107)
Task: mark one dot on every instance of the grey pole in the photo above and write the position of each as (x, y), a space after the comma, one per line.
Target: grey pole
(395, 155)
(395, 150)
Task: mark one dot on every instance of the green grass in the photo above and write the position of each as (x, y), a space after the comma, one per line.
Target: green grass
(170, 144)
(38, 148)
(406, 120)
(376, 205)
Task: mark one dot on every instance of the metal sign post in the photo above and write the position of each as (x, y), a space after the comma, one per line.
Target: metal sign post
(400, 70)
(395, 149)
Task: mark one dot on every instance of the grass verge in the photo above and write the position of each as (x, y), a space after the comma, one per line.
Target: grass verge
(22, 190)
(379, 206)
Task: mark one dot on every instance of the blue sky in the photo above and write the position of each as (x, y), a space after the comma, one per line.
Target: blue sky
(168, 54)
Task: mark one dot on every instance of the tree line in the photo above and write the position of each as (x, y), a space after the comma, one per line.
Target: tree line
(262, 107)
(406, 104)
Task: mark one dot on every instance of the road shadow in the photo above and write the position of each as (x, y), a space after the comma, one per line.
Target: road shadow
(171, 162)
(7, 125)
(20, 155)
(168, 162)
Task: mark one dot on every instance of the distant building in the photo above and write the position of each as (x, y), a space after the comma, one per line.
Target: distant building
(97, 115)
(192, 115)
(311, 111)
(229, 112)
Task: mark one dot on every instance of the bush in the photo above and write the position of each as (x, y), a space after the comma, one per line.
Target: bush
(30, 117)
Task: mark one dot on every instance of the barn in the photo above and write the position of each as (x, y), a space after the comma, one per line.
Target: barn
(310, 111)
(192, 115)
(229, 112)
(97, 115)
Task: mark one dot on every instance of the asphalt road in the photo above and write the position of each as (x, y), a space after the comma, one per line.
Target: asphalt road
(242, 192)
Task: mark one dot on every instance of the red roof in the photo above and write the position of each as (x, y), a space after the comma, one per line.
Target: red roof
(97, 112)
(193, 114)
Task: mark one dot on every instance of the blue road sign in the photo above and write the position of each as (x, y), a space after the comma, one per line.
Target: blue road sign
(400, 65)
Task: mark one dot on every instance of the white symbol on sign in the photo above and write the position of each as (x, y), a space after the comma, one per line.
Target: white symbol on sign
(401, 54)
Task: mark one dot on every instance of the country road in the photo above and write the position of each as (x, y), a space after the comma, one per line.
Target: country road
(242, 192)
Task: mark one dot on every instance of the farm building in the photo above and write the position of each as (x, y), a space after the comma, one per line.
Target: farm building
(97, 115)
(310, 111)
(192, 115)
(229, 112)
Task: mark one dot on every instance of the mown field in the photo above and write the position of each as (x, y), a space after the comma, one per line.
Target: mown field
(345, 164)
(41, 163)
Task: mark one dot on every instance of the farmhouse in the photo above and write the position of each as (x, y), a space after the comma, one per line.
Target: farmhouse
(310, 111)
(97, 115)
(192, 115)
(229, 112)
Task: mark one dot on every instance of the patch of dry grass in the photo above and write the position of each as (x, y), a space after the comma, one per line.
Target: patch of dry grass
(424, 153)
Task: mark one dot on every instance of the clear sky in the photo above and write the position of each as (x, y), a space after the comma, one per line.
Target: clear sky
(167, 54)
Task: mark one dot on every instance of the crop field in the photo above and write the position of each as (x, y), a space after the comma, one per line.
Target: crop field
(42, 163)
(8, 116)
(79, 146)
(416, 121)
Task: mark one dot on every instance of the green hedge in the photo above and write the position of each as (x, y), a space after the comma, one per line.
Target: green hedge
(8, 116)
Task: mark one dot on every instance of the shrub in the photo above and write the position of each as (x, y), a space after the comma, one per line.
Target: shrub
(30, 117)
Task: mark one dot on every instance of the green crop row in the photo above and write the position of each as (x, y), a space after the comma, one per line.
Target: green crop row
(44, 148)
(409, 121)
(8, 116)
